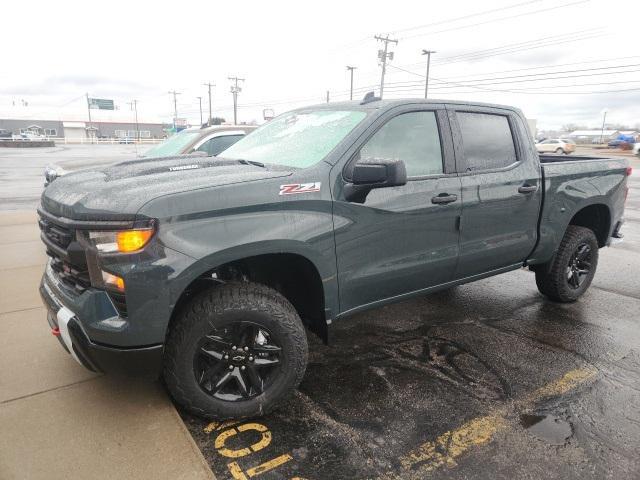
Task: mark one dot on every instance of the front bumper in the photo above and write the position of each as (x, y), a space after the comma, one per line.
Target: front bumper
(137, 361)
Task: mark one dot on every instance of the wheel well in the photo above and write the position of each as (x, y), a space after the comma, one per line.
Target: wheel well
(294, 276)
(597, 218)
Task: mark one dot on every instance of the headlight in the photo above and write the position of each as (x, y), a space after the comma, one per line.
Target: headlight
(121, 241)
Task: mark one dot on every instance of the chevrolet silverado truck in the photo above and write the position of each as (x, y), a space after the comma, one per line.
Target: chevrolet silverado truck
(210, 271)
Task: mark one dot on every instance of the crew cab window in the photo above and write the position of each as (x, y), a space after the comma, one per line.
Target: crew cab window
(487, 140)
(217, 145)
(411, 137)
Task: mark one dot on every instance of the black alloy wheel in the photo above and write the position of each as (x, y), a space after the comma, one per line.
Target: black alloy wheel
(237, 361)
(579, 266)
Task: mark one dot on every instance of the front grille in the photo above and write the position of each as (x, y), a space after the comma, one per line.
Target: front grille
(68, 260)
(56, 234)
(72, 277)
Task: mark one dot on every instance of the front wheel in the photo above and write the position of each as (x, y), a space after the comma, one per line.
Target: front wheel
(235, 351)
(568, 275)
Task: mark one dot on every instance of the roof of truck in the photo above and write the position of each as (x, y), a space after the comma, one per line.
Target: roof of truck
(377, 104)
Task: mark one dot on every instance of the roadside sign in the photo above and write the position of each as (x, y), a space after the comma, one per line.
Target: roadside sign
(101, 104)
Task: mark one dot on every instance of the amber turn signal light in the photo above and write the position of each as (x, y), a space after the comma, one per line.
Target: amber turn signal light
(132, 240)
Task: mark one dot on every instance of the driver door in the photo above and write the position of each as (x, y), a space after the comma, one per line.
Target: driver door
(403, 239)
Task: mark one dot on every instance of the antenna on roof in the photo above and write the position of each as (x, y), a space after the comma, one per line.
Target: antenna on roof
(369, 97)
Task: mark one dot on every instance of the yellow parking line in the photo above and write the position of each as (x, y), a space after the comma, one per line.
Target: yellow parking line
(479, 431)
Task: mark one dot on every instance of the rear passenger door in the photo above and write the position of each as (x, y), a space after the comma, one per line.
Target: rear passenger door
(501, 194)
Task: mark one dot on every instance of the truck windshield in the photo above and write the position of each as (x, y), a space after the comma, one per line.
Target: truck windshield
(296, 139)
(173, 145)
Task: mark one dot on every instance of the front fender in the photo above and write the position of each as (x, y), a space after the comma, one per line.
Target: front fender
(305, 229)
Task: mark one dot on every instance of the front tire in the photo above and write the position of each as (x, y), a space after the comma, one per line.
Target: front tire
(235, 351)
(568, 275)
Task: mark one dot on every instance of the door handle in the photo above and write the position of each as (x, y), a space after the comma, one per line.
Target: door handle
(443, 198)
(527, 188)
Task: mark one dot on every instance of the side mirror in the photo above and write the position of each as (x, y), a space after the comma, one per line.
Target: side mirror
(374, 173)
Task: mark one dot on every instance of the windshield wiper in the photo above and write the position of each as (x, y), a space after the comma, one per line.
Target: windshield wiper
(250, 162)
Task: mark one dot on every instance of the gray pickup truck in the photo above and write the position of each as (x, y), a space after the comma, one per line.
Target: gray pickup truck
(208, 270)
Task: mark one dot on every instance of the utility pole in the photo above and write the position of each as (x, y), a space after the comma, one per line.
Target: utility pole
(209, 85)
(426, 83)
(175, 108)
(351, 69)
(604, 119)
(383, 55)
(327, 96)
(200, 101)
(134, 106)
(235, 89)
(89, 111)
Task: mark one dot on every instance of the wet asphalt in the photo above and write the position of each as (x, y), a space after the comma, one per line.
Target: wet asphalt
(485, 380)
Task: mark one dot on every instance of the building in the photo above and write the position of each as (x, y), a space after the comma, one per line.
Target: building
(80, 130)
(593, 136)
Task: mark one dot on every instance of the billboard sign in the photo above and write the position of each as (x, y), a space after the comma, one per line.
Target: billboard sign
(101, 104)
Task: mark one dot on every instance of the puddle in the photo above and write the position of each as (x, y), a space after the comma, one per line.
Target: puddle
(553, 430)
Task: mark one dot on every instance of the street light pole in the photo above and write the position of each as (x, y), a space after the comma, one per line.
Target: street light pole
(200, 101)
(426, 83)
(351, 69)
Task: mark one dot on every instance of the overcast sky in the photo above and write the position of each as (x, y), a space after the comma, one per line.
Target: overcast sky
(291, 52)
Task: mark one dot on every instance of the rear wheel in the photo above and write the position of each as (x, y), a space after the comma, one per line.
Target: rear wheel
(559, 151)
(236, 351)
(568, 275)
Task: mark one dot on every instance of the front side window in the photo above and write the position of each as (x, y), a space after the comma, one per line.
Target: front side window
(411, 137)
(297, 139)
(486, 140)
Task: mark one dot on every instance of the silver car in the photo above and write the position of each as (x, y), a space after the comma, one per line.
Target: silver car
(207, 141)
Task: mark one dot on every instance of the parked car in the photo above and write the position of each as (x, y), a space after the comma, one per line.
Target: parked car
(636, 148)
(209, 270)
(5, 134)
(617, 142)
(208, 141)
(556, 145)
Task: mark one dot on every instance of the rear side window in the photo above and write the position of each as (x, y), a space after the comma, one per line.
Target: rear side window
(217, 145)
(411, 137)
(487, 140)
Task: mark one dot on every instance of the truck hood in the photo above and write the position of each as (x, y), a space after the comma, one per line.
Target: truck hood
(117, 192)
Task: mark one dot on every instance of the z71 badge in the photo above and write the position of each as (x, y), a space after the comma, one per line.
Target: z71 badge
(295, 188)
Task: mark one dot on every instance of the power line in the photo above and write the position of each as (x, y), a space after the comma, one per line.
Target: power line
(496, 19)
(523, 46)
(456, 19)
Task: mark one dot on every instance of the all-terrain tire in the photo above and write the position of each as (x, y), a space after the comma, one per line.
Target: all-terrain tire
(552, 279)
(207, 311)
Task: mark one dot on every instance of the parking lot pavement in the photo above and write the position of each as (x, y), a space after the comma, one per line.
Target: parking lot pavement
(486, 380)
(22, 169)
(57, 419)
